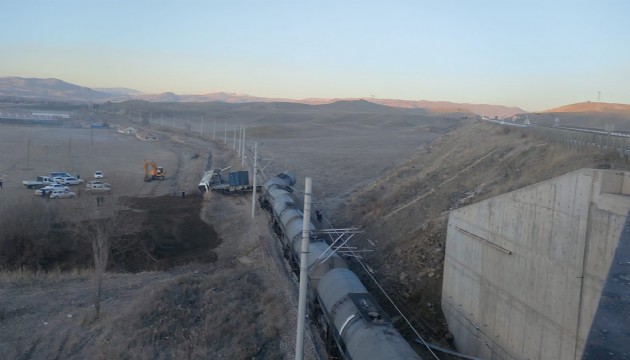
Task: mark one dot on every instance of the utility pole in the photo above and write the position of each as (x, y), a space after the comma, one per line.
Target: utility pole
(240, 137)
(243, 150)
(254, 180)
(299, 338)
(28, 154)
(70, 150)
(234, 146)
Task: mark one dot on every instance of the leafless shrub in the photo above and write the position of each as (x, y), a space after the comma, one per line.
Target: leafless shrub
(34, 237)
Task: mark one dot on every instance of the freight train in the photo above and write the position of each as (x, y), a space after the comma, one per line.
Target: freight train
(353, 324)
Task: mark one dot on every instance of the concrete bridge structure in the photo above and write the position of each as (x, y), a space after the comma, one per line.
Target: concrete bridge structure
(524, 271)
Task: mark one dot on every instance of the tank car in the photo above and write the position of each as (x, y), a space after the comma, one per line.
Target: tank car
(353, 321)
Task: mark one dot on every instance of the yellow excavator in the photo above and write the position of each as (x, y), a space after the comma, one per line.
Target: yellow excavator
(152, 171)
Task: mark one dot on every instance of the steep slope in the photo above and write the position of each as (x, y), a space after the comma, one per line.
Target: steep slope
(405, 212)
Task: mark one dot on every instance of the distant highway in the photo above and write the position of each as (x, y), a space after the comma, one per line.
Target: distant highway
(617, 133)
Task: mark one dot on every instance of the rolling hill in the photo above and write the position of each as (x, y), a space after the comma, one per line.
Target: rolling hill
(591, 107)
(58, 90)
(48, 89)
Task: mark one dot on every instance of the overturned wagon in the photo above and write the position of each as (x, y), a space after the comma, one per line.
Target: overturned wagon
(237, 182)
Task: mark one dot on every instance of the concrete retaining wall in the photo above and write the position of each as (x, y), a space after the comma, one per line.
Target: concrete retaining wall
(524, 271)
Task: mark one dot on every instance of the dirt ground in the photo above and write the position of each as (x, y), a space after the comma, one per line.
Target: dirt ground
(183, 247)
(201, 278)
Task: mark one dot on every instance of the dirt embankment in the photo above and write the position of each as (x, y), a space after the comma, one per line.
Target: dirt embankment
(406, 211)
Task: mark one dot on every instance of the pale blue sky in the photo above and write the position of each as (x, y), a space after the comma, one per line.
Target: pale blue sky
(535, 54)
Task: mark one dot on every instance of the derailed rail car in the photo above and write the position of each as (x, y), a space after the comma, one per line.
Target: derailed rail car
(353, 324)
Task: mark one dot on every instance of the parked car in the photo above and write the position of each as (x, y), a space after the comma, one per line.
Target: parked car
(98, 186)
(98, 174)
(50, 188)
(59, 174)
(71, 180)
(61, 194)
(40, 182)
(58, 179)
(96, 182)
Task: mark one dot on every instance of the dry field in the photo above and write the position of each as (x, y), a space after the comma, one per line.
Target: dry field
(192, 277)
(198, 277)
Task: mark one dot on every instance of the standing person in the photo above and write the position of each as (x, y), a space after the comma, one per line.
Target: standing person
(0, 183)
(43, 192)
(183, 193)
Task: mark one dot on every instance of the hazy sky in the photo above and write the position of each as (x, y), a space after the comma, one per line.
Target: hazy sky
(535, 54)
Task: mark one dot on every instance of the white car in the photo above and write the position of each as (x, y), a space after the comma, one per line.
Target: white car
(98, 174)
(98, 186)
(92, 183)
(50, 188)
(72, 181)
(62, 194)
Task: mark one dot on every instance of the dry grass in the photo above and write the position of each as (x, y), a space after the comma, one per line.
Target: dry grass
(24, 277)
(194, 316)
(406, 210)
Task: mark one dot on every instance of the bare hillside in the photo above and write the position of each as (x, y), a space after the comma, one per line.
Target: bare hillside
(405, 212)
(591, 107)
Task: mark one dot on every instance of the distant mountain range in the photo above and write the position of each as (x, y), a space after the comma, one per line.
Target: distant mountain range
(58, 90)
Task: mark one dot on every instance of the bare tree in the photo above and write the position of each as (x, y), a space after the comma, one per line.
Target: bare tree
(100, 238)
(103, 226)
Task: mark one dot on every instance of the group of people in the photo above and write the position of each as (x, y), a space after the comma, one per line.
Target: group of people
(100, 200)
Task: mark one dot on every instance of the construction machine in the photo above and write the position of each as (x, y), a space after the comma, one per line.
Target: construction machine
(152, 171)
